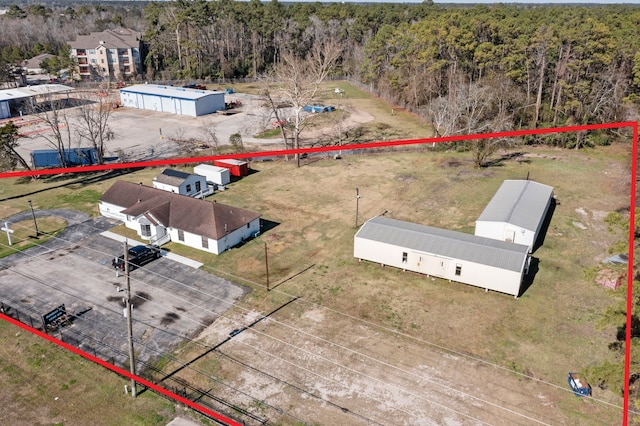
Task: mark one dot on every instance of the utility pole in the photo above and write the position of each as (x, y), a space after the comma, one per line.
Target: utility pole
(34, 219)
(132, 362)
(266, 264)
(357, 202)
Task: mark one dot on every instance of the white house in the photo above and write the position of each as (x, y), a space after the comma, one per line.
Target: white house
(160, 216)
(469, 259)
(176, 100)
(182, 183)
(516, 212)
(213, 174)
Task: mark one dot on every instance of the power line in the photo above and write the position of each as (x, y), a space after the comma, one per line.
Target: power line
(407, 336)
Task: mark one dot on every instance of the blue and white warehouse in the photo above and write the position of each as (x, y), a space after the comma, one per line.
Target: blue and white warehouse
(175, 100)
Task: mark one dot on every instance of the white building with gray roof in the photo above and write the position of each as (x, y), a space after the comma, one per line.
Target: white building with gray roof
(478, 261)
(175, 100)
(516, 212)
(183, 183)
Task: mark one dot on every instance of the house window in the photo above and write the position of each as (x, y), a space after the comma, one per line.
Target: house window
(102, 61)
(198, 186)
(180, 235)
(248, 225)
(458, 269)
(92, 51)
(94, 61)
(404, 257)
(145, 230)
(205, 242)
(188, 188)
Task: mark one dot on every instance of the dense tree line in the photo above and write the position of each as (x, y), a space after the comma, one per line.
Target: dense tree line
(467, 69)
(493, 68)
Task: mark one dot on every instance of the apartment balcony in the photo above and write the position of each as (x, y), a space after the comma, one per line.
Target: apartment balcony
(81, 52)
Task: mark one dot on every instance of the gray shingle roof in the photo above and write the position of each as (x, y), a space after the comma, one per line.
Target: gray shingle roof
(117, 38)
(456, 245)
(200, 217)
(519, 202)
(172, 177)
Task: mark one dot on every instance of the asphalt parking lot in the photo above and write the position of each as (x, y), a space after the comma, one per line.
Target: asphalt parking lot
(172, 301)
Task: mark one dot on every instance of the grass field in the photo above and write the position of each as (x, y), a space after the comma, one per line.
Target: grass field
(47, 385)
(555, 327)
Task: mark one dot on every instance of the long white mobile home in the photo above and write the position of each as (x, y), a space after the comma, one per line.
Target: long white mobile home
(469, 259)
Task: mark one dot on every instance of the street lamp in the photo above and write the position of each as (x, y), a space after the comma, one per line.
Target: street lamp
(34, 219)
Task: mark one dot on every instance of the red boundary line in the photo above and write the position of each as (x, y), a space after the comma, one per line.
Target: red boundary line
(632, 202)
(121, 372)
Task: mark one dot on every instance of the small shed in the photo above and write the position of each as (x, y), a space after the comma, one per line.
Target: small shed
(237, 168)
(182, 183)
(213, 174)
(175, 100)
(516, 212)
(455, 256)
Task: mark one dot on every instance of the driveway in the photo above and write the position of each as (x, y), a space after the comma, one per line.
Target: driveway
(172, 301)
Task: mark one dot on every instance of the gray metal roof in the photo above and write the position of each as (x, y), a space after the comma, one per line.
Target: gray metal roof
(452, 244)
(170, 91)
(519, 202)
(30, 91)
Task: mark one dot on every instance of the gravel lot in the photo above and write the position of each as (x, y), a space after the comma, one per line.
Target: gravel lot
(144, 135)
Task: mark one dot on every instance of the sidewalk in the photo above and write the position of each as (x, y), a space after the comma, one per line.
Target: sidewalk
(168, 255)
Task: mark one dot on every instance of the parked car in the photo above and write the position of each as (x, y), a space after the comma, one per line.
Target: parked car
(138, 256)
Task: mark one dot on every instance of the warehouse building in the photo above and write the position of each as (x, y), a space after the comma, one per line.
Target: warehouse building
(175, 100)
(455, 256)
(516, 212)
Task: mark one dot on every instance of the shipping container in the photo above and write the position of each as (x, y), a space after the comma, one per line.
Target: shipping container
(73, 157)
(236, 167)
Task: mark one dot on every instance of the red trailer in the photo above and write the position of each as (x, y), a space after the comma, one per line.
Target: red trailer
(236, 167)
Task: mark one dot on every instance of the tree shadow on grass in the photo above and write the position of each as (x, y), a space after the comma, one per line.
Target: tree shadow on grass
(87, 178)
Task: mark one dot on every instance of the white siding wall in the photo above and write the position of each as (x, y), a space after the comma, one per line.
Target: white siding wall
(505, 232)
(166, 187)
(478, 275)
(210, 103)
(214, 174)
(217, 246)
(112, 211)
(191, 180)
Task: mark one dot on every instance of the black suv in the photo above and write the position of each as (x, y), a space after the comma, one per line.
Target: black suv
(138, 256)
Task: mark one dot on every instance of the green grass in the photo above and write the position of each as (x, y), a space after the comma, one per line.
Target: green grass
(45, 384)
(24, 234)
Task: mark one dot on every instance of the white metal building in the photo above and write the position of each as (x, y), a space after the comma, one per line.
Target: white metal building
(516, 212)
(213, 174)
(182, 183)
(175, 100)
(469, 259)
(12, 96)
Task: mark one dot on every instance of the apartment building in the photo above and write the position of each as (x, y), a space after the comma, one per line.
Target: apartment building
(108, 55)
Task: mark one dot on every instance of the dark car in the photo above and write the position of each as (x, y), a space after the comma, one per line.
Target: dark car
(138, 256)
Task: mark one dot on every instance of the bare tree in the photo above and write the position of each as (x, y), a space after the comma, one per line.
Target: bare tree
(208, 131)
(52, 110)
(298, 81)
(93, 124)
